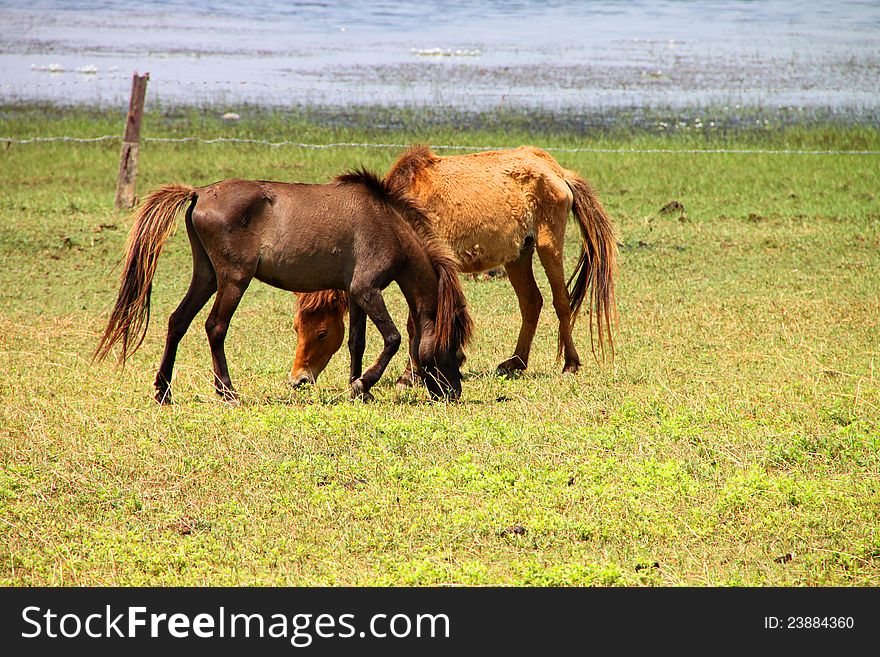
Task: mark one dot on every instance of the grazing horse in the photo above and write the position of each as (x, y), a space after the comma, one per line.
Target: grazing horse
(354, 234)
(496, 208)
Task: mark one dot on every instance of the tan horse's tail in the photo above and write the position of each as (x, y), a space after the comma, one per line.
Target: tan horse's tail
(153, 224)
(593, 277)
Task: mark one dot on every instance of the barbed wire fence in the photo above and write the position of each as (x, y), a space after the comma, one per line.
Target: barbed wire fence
(136, 107)
(452, 147)
(195, 139)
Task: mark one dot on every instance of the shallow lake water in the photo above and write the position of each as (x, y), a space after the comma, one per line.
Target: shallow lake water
(590, 56)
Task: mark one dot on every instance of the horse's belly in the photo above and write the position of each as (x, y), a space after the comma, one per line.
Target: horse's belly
(484, 230)
(482, 248)
(303, 270)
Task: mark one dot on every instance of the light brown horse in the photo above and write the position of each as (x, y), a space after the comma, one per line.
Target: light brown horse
(354, 234)
(496, 208)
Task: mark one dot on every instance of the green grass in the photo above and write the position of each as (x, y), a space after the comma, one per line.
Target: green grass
(735, 439)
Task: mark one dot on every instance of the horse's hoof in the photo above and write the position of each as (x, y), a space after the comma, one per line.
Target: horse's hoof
(358, 392)
(229, 397)
(571, 368)
(404, 383)
(511, 368)
(163, 397)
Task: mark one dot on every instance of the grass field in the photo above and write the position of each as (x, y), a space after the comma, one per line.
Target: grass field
(734, 440)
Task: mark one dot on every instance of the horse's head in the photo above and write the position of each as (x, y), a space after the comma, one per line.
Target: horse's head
(440, 370)
(440, 351)
(320, 330)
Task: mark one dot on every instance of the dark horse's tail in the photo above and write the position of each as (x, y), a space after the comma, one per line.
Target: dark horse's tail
(153, 225)
(594, 274)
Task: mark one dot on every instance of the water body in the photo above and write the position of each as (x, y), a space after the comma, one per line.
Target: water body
(594, 55)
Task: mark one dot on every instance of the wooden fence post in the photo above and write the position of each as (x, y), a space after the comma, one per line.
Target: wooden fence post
(125, 183)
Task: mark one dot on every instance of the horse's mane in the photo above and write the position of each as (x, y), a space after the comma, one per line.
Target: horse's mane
(318, 301)
(453, 320)
(404, 170)
(367, 179)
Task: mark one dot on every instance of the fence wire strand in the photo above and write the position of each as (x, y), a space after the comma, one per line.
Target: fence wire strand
(448, 147)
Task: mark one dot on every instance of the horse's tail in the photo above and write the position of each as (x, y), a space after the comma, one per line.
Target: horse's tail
(153, 225)
(593, 276)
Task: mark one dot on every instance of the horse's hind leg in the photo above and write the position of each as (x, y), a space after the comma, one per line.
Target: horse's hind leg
(201, 287)
(522, 278)
(230, 290)
(370, 299)
(550, 240)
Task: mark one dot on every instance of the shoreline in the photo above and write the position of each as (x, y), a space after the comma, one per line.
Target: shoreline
(241, 119)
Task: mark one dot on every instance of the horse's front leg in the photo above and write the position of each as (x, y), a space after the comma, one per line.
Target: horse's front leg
(357, 339)
(410, 373)
(374, 306)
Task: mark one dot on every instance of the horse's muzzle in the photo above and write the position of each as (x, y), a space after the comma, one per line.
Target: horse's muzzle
(301, 379)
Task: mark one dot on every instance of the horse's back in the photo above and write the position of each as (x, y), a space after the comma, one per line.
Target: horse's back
(321, 208)
(487, 205)
(484, 183)
(296, 236)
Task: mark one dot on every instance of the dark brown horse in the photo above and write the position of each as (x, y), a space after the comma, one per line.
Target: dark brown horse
(354, 234)
(497, 208)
